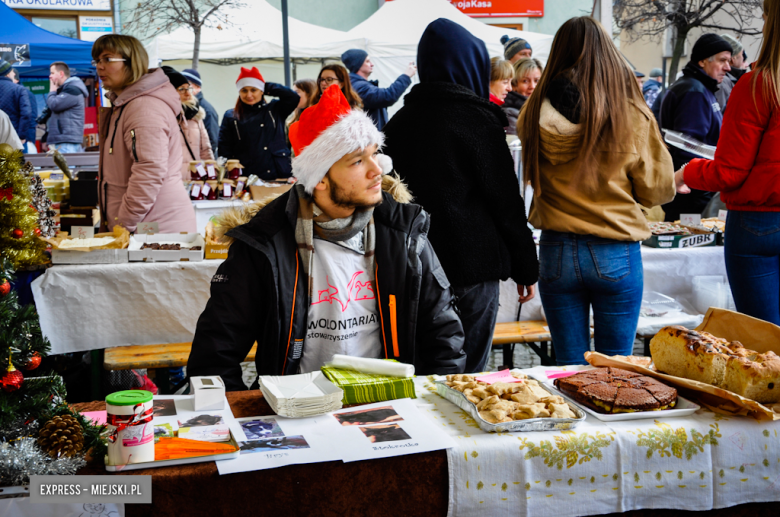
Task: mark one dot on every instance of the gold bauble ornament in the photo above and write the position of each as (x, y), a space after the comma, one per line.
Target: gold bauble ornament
(6, 150)
(61, 436)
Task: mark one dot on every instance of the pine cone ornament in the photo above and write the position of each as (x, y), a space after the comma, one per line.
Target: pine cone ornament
(61, 436)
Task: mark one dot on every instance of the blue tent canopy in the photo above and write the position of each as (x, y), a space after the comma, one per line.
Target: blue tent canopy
(45, 47)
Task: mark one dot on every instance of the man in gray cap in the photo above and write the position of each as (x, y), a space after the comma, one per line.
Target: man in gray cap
(731, 78)
(515, 49)
(653, 86)
(376, 100)
(212, 119)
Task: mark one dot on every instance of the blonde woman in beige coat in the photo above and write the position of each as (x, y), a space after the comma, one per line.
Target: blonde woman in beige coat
(195, 143)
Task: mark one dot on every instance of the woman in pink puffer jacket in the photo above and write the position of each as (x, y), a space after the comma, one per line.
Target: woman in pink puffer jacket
(140, 141)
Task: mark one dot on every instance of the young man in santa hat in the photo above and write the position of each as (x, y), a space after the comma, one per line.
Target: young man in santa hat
(341, 264)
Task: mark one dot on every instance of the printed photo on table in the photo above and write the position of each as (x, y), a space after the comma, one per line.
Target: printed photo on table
(164, 407)
(284, 442)
(385, 433)
(201, 420)
(378, 415)
(259, 428)
(162, 431)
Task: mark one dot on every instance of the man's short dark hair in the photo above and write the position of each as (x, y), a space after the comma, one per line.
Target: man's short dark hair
(62, 67)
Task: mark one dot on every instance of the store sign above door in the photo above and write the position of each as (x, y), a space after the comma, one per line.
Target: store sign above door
(18, 54)
(499, 8)
(70, 5)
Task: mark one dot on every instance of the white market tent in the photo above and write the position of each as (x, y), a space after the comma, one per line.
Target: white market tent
(253, 33)
(392, 33)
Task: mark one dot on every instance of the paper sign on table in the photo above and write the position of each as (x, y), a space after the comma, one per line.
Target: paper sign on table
(143, 228)
(690, 219)
(558, 374)
(82, 232)
(201, 170)
(722, 215)
(502, 376)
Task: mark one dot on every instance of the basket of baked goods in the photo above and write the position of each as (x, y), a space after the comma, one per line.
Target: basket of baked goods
(728, 364)
(522, 404)
(613, 394)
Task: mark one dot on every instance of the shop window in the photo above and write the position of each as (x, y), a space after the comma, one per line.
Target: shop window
(63, 26)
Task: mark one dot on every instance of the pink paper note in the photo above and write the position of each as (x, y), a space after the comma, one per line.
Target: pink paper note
(502, 376)
(97, 417)
(558, 374)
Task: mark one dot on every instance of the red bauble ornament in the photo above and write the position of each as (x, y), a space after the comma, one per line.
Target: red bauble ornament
(5, 288)
(34, 362)
(37, 231)
(17, 233)
(12, 380)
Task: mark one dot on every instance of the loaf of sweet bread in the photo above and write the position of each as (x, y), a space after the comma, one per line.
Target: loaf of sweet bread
(705, 358)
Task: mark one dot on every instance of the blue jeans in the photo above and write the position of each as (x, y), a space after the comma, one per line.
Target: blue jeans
(478, 309)
(580, 271)
(752, 251)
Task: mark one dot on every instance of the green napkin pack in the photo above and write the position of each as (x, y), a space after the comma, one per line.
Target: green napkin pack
(361, 388)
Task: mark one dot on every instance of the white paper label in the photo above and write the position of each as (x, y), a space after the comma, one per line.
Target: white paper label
(201, 170)
(147, 228)
(227, 190)
(722, 215)
(82, 232)
(206, 189)
(195, 191)
(690, 219)
(212, 172)
(239, 187)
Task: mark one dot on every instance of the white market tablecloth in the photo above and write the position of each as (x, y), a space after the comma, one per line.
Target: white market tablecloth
(698, 462)
(100, 306)
(139, 303)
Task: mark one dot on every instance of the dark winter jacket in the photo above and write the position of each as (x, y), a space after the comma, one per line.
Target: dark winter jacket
(513, 103)
(258, 140)
(66, 124)
(690, 107)
(259, 294)
(376, 100)
(449, 145)
(211, 122)
(30, 134)
(16, 104)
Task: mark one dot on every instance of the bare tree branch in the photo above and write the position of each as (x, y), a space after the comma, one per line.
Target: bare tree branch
(652, 18)
(155, 17)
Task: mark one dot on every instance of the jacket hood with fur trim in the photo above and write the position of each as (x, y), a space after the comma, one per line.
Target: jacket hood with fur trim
(237, 216)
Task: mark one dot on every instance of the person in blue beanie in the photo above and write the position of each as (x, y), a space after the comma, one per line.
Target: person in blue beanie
(691, 107)
(212, 118)
(516, 49)
(376, 100)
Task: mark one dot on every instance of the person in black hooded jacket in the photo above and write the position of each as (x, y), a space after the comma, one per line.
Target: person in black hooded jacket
(254, 131)
(448, 143)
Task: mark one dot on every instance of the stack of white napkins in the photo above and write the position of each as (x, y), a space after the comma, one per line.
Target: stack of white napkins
(302, 395)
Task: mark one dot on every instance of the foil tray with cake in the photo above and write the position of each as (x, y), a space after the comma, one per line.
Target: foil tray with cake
(728, 365)
(612, 394)
(521, 405)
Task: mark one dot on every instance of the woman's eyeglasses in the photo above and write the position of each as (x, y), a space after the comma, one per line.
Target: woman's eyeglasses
(106, 60)
(328, 80)
(182, 90)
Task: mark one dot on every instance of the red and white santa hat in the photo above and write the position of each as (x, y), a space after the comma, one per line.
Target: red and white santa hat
(328, 131)
(250, 78)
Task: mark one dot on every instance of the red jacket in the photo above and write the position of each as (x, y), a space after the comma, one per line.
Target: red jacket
(746, 168)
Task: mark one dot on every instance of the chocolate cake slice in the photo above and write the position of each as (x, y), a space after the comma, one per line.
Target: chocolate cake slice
(629, 400)
(666, 396)
(600, 397)
(572, 384)
(622, 374)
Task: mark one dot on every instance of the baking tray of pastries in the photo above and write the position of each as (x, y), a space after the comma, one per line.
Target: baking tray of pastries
(528, 422)
(634, 407)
